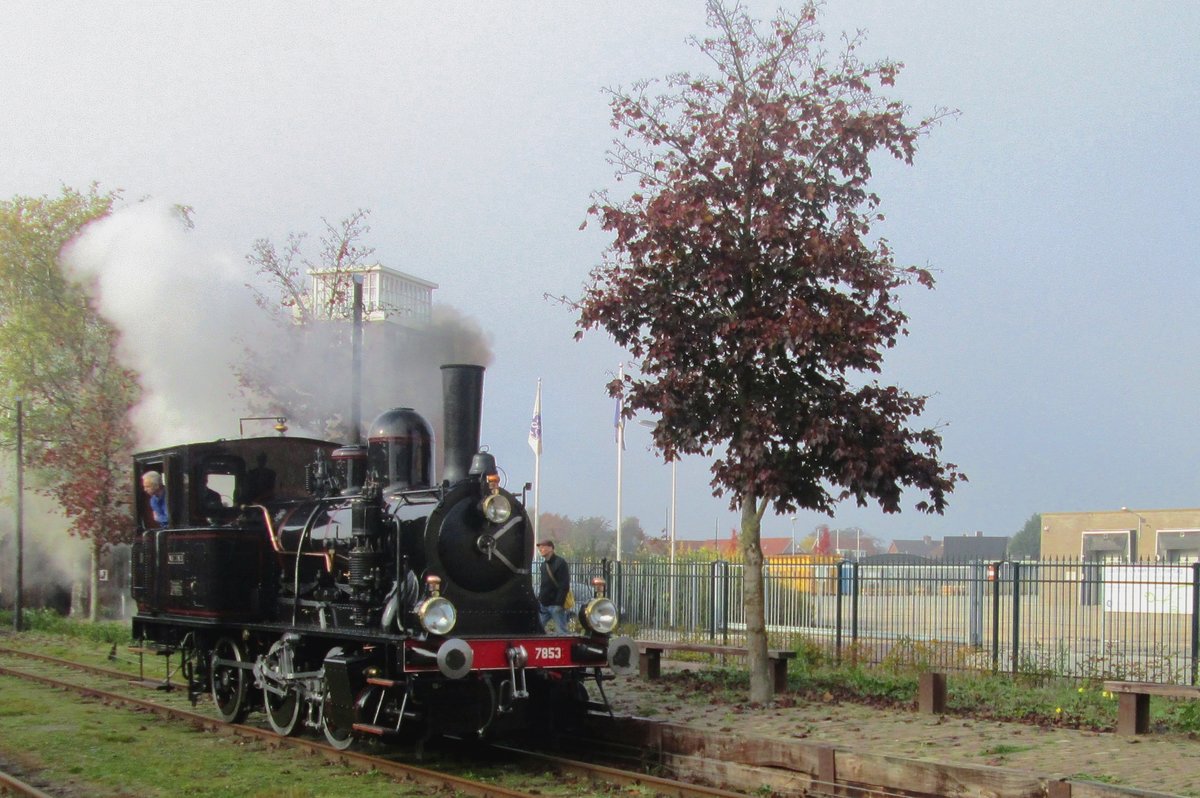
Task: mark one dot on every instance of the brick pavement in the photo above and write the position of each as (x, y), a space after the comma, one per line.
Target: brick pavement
(1157, 762)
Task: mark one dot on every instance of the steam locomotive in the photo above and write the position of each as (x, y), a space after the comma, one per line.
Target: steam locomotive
(339, 588)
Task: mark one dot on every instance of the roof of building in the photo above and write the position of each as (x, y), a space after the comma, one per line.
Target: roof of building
(925, 547)
(969, 548)
(729, 547)
(375, 267)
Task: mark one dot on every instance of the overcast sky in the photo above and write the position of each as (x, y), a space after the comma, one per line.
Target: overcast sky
(1058, 211)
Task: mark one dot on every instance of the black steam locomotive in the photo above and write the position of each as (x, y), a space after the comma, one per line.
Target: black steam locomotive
(340, 588)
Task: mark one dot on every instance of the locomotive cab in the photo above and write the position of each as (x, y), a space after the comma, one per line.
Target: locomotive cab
(214, 558)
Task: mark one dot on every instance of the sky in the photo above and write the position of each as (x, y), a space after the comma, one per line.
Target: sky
(1057, 211)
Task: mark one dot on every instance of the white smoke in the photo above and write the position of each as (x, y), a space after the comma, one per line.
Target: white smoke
(186, 316)
(183, 313)
(50, 555)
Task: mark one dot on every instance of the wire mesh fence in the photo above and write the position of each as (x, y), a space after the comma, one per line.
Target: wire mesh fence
(1053, 618)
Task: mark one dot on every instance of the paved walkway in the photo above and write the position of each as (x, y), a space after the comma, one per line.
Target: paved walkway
(1157, 762)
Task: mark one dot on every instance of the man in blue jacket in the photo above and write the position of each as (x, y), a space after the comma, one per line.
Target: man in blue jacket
(152, 483)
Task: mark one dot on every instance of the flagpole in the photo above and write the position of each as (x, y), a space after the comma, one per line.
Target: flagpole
(537, 471)
(620, 425)
(535, 443)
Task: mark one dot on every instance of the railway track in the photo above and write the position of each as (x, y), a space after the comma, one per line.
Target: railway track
(11, 785)
(586, 773)
(630, 752)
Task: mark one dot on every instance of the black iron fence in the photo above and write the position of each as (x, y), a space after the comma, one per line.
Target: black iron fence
(1055, 618)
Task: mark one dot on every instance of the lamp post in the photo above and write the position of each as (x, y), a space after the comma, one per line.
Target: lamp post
(670, 527)
(793, 551)
(19, 599)
(1141, 520)
(674, 485)
(619, 423)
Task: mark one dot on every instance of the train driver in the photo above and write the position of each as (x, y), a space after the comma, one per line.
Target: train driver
(152, 484)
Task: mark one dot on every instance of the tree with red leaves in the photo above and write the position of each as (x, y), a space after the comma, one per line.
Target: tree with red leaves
(60, 356)
(743, 280)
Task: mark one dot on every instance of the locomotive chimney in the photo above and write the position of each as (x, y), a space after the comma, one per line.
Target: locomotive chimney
(462, 396)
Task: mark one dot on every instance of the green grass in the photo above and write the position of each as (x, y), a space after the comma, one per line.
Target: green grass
(1045, 702)
(50, 621)
(1002, 750)
(107, 752)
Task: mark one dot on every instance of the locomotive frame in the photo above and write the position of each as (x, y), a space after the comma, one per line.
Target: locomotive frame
(340, 589)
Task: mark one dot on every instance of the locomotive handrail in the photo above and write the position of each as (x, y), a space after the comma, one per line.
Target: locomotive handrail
(277, 544)
(306, 532)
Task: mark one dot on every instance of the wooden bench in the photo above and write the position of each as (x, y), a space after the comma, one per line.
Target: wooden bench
(650, 658)
(1133, 702)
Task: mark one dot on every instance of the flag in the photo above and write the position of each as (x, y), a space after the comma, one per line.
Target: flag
(535, 426)
(619, 423)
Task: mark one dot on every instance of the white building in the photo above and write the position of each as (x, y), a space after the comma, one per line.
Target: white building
(388, 295)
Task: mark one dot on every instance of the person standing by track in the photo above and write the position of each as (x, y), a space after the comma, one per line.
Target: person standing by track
(556, 583)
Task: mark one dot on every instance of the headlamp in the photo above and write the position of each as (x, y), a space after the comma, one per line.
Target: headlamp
(437, 615)
(497, 508)
(600, 616)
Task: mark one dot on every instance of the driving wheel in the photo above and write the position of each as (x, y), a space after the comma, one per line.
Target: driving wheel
(281, 698)
(338, 736)
(229, 680)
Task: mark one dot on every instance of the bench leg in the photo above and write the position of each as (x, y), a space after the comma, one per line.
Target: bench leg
(650, 664)
(1133, 713)
(779, 674)
(931, 693)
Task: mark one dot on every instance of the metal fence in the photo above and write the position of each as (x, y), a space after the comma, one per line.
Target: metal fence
(1055, 618)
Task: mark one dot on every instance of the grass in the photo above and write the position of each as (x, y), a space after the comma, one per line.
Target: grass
(51, 622)
(1002, 750)
(1035, 700)
(61, 735)
(84, 748)
(104, 752)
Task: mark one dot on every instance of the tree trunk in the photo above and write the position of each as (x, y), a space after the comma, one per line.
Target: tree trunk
(94, 583)
(754, 603)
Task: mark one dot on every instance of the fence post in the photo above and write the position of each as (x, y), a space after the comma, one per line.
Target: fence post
(712, 598)
(977, 578)
(612, 577)
(996, 622)
(1016, 615)
(854, 602)
(837, 623)
(726, 591)
(1195, 618)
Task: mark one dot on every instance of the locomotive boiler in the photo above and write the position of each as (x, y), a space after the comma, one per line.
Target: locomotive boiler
(341, 588)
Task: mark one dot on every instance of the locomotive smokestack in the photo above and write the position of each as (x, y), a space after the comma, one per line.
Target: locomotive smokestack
(462, 392)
